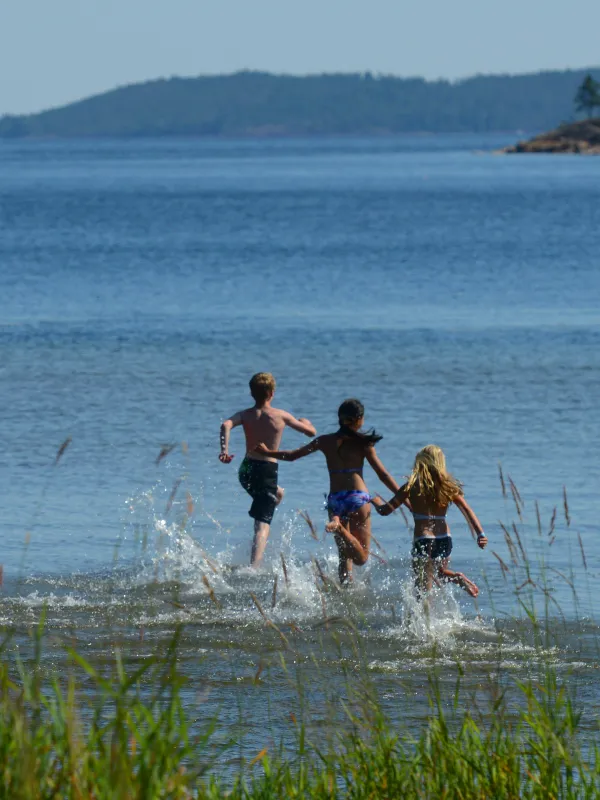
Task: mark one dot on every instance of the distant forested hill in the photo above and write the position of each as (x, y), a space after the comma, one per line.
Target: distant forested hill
(256, 103)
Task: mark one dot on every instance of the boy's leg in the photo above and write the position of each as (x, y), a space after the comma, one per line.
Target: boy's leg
(261, 534)
(261, 537)
(259, 479)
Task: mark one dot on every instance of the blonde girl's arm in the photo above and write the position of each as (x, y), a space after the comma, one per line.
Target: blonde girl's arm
(289, 455)
(385, 509)
(471, 519)
(381, 472)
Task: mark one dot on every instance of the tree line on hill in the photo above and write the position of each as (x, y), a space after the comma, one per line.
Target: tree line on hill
(587, 98)
(262, 104)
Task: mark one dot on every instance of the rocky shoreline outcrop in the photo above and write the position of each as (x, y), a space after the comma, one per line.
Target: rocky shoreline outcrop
(576, 137)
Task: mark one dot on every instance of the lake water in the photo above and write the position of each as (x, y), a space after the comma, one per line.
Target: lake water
(455, 292)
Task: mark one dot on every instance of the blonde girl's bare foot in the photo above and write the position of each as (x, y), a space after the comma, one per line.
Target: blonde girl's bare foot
(279, 494)
(469, 587)
(333, 525)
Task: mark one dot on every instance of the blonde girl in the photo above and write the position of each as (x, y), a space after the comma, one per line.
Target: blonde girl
(428, 493)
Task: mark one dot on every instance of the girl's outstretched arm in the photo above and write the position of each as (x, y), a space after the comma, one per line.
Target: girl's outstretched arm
(471, 519)
(385, 509)
(289, 455)
(381, 472)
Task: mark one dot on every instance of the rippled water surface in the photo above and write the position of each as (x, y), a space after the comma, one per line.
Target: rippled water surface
(457, 293)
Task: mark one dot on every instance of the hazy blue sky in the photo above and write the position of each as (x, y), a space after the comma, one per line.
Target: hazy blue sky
(55, 51)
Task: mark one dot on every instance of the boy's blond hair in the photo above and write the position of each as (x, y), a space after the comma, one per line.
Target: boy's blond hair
(262, 386)
(430, 479)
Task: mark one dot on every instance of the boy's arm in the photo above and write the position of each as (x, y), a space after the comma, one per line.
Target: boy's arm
(381, 472)
(385, 509)
(472, 520)
(226, 427)
(301, 425)
(289, 455)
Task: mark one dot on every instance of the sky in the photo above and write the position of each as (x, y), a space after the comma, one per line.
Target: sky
(55, 51)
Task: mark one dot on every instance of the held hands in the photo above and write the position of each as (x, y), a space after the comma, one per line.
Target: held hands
(225, 458)
(481, 540)
(262, 449)
(383, 509)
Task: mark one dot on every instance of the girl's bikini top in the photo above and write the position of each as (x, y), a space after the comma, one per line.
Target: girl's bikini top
(343, 471)
(426, 516)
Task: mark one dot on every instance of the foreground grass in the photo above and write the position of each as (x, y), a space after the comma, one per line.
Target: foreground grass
(123, 732)
(128, 736)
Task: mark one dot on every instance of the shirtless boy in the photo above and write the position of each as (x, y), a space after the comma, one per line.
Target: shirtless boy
(258, 474)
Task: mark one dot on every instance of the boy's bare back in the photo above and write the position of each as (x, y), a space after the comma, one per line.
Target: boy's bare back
(263, 425)
(262, 422)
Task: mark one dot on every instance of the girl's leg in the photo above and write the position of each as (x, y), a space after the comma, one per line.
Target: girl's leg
(345, 562)
(458, 578)
(424, 570)
(419, 569)
(355, 533)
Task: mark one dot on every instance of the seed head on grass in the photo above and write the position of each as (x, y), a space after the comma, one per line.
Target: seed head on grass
(518, 501)
(552, 522)
(164, 452)
(538, 518)
(502, 484)
(566, 507)
(61, 449)
(520, 543)
(510, 544)
(583, 558)
(211, 592)
(285, 572)
(189, 505)
(171, 499)
(311, 526)
(503, 567)
(269, 622)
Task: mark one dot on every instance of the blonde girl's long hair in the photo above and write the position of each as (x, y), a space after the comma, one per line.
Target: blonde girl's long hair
(429, 478)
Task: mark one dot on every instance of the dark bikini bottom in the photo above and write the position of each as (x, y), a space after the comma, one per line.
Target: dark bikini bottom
(435, 547)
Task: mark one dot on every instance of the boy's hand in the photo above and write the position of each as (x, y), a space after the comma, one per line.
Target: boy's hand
(225, 458)
(481, 540)
(262, 449)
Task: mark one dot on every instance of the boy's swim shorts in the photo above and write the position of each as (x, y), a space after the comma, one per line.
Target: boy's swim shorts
(259, 479)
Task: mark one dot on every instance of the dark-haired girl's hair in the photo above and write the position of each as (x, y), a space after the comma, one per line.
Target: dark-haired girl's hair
(350, 411)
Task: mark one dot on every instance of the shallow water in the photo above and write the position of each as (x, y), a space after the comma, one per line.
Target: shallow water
(455, 292)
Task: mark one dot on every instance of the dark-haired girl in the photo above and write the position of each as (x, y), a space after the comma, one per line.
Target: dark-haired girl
(349, 502)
